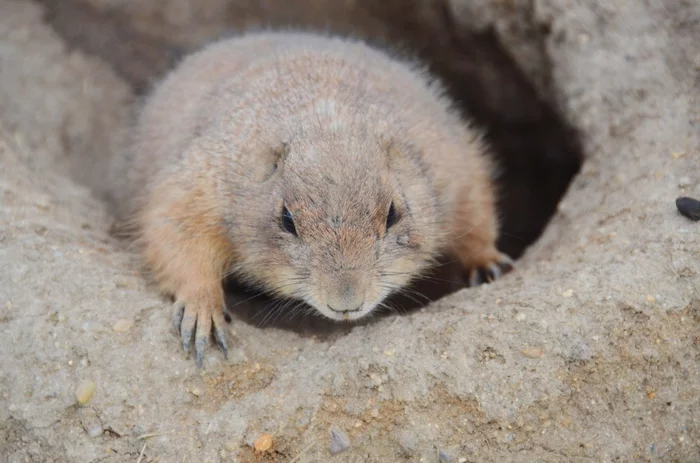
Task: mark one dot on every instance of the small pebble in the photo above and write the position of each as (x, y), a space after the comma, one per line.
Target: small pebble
(32, 255)
(121, 282)
(532, 352)
(84, 391)
(340, 441)
(123, 325)
(42, 202)
(568, 293)
(689, 207)
(443, 457)
(374, 413)
(263, 443)
(95, 431)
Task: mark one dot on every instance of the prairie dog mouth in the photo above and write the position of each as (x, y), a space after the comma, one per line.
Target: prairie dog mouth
(345, 315)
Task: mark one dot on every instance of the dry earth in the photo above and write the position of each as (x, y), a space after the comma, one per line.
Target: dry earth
(590, 351)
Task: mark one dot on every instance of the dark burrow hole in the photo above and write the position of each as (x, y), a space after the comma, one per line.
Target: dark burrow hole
(537, 151)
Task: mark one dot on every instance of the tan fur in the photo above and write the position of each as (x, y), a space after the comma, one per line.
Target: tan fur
(333, 130)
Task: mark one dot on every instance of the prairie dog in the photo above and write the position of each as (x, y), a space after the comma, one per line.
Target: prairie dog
(313, 167)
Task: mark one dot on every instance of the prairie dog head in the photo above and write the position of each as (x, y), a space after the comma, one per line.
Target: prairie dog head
(348, 219)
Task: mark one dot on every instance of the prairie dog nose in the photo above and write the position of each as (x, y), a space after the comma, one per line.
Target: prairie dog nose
(345, 297)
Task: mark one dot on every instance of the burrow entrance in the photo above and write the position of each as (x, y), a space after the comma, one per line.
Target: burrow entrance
(537, 151)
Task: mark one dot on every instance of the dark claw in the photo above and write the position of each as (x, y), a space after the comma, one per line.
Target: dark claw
(505, 266)
(187, 329)
(483, 275)
(476, 277)
(178, 313)
(199, 346)
(220, 338)
(495, 272)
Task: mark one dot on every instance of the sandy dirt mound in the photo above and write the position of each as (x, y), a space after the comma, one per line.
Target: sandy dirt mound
(589, 352)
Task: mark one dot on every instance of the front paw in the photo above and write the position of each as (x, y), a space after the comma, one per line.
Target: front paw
(194, 320)
(490, 269)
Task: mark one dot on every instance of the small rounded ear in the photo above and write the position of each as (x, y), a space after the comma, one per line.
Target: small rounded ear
(399, 152)
(394, 152)
(390, 147)
(281, 153)
(276, 157)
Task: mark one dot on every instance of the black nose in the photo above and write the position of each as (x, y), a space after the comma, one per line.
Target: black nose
(345, 311)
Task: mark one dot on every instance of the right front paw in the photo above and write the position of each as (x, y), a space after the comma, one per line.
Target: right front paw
(194, 320)
(489, 269)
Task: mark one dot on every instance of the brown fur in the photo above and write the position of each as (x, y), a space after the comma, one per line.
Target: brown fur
(329, 128)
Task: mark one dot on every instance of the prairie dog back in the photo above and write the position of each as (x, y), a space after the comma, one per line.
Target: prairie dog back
(315, 168)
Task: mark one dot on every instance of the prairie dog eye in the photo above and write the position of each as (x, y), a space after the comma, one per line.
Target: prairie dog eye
(287, 222)
(391, 217)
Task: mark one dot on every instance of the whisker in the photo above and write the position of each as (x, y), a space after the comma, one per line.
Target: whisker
(510, 235)
(281, 309)
(269, 310)
(409, 296)
(418, 294)
(298, 309)
(423, 277)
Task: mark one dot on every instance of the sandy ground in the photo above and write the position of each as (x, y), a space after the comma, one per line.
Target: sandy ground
(590, 351)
